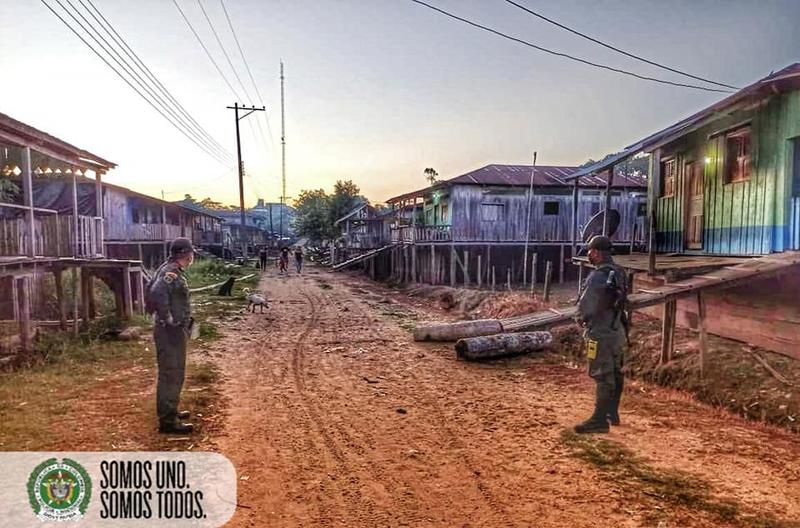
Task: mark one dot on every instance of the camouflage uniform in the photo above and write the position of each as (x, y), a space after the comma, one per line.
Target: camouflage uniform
(171, 330)
(605, 341)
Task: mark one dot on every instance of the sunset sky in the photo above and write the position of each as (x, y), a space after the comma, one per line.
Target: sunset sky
(379, 90)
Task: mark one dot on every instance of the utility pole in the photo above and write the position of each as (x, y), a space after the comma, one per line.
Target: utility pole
(283, 155)
(236, 107)
(528, 225)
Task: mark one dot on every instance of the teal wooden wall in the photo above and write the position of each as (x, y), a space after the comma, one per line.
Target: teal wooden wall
(742, 218)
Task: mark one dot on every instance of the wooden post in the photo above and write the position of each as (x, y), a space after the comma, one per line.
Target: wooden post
(27, 191)
(580, 279)
(561, 267)
(24, 312)
(651, 246)
(98, 191)
(432, 277)
(488, 261)
(466, 268)
(75, 299)
(414, 256)
(548, 274)
(508, 278)
(87, 296)
(480, 278)
(575, 217)
(606, 217)
(668, 331)
(701, 322)
(534, 269)
(493, 278)
(128, 292)
(62, 309)
(452, 266)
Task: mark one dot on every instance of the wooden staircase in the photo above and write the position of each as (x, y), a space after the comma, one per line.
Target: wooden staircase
(362, 257)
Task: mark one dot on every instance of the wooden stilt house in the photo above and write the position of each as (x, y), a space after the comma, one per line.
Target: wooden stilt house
(725, 185)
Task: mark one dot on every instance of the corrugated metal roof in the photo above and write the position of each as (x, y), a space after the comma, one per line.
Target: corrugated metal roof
(544, 176)
(788, 77)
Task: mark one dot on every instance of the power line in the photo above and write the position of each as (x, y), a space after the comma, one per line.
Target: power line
(109, 28)
(627, 54)
(247, 67)
(124, 78)
(224, 52)
(133, 56)
(205, 49)
(115, 55)
(565, 55)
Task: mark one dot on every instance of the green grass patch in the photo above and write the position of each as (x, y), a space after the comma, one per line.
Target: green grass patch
(619, 464)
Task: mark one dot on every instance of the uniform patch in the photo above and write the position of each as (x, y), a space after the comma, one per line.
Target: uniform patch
(591, 349)
(169, 277)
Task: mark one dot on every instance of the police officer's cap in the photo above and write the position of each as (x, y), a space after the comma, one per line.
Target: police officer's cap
(601, 243)
(180, 246)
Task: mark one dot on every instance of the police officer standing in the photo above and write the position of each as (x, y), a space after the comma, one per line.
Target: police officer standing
(172, 327)
(601, 311)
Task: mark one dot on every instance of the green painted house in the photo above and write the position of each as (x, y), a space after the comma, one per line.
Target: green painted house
(727, 179)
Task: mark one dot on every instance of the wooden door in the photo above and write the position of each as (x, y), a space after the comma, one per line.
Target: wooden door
(693, 227)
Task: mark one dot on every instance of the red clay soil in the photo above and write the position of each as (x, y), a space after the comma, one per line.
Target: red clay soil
(336, 418)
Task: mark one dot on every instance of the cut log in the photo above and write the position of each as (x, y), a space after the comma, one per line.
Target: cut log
(456, 331)
(495, 346)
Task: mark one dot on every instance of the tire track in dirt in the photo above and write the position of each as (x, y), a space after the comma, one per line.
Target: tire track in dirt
(422, 396)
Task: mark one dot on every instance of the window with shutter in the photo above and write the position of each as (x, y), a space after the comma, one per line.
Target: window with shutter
(737, 155)
(668, 173)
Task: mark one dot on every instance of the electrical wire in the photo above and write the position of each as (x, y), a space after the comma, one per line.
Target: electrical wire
(126, 80)
(208, 53)
(623, 52)
(247, 67)
(120, 60)
(224, 52)
(565, 55)
(135, 57)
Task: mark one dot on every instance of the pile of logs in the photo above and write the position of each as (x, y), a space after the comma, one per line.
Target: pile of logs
(501, 345)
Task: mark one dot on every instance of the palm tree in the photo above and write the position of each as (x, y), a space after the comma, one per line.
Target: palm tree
(430, 175)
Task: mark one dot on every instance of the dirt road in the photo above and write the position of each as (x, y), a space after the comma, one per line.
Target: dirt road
(336, 418)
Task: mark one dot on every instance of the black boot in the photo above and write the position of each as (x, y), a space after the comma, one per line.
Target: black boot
(598, 423)
(613, 409)
(183, 415)
(175, 427)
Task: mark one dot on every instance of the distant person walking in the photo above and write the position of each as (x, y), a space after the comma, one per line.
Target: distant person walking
(283, 261)
(298, 258)
(262, 257)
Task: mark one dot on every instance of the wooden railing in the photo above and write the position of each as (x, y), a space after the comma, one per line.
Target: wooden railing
(363, 240)
(54, 235)
(149, 232)
(411, 234)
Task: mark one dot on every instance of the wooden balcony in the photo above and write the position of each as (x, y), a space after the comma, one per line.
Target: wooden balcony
(200, 238)
(418, 234)
(54, 235)
(145, 232)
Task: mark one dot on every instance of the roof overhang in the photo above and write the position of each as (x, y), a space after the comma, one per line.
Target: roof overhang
(17, 133)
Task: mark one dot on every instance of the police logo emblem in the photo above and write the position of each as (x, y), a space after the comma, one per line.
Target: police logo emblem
(59, 491)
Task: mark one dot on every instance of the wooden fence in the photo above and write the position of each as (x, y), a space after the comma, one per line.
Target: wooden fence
(53, 236)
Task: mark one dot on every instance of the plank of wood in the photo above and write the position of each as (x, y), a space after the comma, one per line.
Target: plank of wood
(775, 374)
(217, 285)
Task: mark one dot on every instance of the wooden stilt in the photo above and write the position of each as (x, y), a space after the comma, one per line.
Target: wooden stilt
(414, 262)
(90, 296)
(561, 267)
(508, 278)
(452, 266)
(127, 293)
(23, 295)
(76, 295)
(701, 322)
(480, 278)
(488, 262)
(466, 268)
(62, 309)
(493, 278)
(668, 332)
(580, 279)
(534, 271)
(432, 267)
(548, 275)
(85, 298)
